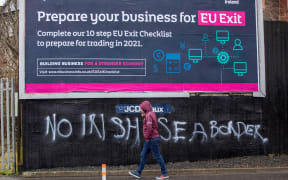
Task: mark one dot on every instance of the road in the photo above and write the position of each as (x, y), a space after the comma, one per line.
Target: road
(281, 175)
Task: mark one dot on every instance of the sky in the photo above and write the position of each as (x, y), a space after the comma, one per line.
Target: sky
(2, 2)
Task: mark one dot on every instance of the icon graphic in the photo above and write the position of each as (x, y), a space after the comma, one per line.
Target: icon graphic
(240, 68)
(187, 66)
(222, 36)
(195, 55)
(182, 45)
(223, 57)
(215, 50)
(237, 45)
(158, 55)
(173, 63)
(205, 37)
(218, 53)
(155, 66)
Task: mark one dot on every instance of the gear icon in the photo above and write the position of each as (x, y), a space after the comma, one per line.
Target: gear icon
(223, 57)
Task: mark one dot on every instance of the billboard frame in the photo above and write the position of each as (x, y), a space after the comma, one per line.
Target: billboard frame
(72, 95)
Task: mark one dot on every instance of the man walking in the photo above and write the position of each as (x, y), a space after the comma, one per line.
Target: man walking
(151, 135)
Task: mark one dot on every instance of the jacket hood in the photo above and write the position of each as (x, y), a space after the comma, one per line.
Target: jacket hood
(146, 106)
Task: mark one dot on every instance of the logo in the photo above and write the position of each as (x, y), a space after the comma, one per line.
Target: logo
(134, 108)
(232, 2)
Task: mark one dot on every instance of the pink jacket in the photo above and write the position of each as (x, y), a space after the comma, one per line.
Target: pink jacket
(150, 125)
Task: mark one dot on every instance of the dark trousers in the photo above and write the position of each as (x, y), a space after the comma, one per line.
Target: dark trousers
(152, 145)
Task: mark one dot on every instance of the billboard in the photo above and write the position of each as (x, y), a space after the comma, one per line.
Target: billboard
(110, 46)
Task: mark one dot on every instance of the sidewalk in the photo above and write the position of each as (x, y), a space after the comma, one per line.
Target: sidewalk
(248, 164)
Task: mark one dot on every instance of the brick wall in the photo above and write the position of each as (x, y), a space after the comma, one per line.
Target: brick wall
(283, 10)
(271, 10)
(275, 10)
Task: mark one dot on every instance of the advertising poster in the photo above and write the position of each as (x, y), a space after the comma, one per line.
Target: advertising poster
(141, 46)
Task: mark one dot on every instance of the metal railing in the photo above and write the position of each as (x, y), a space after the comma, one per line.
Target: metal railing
(7, 110)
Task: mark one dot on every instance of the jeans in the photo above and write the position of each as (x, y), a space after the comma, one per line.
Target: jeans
(152, 145)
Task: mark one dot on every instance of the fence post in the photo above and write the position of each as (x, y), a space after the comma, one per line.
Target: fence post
(8, 123)
(13, 124)
(2, 124)
(7, 87)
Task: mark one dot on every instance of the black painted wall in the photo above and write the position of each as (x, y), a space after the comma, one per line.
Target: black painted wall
(199, 128)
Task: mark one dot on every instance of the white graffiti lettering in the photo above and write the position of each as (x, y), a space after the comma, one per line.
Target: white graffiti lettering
(200, 132)
(178, 130)
(137, 139)
(93, 124)
(54, 125)
(165, 127)
(59, 126)
(242, 129)
(174, 131)
(83, 118)
(117, 121)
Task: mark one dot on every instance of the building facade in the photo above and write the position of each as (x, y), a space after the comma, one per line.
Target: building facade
(275, 10)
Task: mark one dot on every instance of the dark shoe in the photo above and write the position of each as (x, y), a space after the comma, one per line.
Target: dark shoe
(135, 174)
(162, 177)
